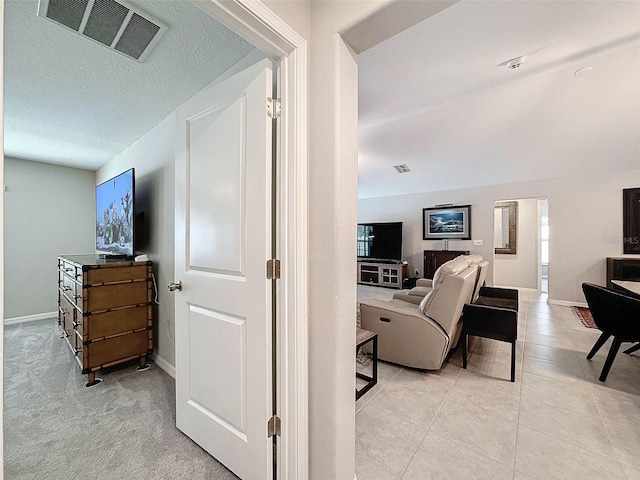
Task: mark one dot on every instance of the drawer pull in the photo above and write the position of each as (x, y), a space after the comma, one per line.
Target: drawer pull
(69, 269)
(383, 319)
(66, 288)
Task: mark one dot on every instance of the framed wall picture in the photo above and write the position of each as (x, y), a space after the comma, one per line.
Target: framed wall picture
(631, 220)
(440, 223)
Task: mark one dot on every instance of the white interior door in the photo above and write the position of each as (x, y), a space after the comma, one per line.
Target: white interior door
(223, 241)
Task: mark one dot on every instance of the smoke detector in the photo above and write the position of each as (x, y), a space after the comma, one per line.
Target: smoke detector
(402, 168)
(115, 25)
(515, 62)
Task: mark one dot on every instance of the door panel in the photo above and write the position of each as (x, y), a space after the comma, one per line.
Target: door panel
(217, 207)
(223, 240)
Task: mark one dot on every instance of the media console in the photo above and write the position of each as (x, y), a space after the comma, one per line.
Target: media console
(382, 274)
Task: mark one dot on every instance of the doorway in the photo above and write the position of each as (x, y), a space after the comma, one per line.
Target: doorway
(518, 244)
(259, 25)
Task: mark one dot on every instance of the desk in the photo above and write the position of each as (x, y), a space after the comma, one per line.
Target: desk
(363, 337)
(627, 287)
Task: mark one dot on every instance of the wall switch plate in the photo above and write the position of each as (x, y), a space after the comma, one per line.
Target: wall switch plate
(478, 242)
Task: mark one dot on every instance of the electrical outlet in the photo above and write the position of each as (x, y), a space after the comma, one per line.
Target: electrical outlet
(478, 242)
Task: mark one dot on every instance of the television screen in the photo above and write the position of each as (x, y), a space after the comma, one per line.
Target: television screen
(380, 241)
(114, 215)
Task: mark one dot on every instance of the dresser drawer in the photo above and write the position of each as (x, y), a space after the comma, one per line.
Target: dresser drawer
(99, 276)
(108, 324)
(114, 350)
(107, 297)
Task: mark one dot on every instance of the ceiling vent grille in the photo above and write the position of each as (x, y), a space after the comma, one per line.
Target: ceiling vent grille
(115, 25)
(402, 168)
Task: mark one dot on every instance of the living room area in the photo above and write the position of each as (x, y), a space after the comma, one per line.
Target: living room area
(481, 104)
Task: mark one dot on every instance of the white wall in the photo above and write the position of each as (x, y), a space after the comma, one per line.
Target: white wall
(49, 211)
(153, 158)
(585, 223)
(521, 269)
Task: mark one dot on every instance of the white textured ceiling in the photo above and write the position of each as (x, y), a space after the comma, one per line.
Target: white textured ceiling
(71, 101)
(439, 98)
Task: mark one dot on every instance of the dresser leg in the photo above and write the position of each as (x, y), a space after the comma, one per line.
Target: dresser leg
(143, 365)
(91, 377)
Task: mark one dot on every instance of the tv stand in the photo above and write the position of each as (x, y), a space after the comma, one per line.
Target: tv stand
(384, 273)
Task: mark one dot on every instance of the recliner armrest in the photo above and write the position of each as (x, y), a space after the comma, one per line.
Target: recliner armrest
(424, 282)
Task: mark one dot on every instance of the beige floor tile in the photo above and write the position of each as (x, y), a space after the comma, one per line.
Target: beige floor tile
(386, 371)
(385, 443)
(631, 473)
(556, 355)
(624, 375)
(564, 410)
(479, 425)
(620, 413)
(555, 341)
(455, 461)
(562, 460)
(567, 371)
(415, 396)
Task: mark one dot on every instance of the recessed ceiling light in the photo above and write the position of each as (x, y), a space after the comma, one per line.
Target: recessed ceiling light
(582, 72)
(402, 168)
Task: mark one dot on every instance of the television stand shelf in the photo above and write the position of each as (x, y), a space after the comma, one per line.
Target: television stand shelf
(382, 274)
(105, 311)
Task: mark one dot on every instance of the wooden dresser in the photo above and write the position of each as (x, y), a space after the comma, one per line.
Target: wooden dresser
(105, 310)
(432, 259)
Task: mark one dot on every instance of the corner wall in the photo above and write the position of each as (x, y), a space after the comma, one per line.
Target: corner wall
(48, 211)
(585, 224)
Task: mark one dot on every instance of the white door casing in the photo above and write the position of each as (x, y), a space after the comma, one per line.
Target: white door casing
(223, 241)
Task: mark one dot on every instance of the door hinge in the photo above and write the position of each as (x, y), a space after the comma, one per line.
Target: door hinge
(273, 269)
(273, 107)
(273, 426)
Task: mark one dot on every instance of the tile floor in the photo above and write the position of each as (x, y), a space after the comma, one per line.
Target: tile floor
(557, 421)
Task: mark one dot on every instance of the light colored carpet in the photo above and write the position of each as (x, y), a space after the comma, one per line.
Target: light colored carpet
(123, 428)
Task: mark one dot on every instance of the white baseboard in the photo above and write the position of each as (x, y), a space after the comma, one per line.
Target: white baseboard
(30, 318)
(164, 365)
(566, 303)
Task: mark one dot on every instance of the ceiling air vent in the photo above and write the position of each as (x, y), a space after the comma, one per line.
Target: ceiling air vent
(402, 168)
(116, 25)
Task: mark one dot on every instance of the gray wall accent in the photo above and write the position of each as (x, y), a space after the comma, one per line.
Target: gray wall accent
(48, 211)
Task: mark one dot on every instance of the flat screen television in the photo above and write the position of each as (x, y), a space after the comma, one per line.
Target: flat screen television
(380, 241)
(115, 200)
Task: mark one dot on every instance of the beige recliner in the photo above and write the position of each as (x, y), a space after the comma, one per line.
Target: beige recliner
(425, 285)
(420, 336)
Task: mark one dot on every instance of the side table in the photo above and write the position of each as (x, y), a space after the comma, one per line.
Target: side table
(363, 337)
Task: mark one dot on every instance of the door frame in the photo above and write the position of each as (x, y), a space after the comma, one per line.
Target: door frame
(261, 27)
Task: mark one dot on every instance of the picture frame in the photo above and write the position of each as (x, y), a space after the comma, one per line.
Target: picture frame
(631, 220)
(447, 223)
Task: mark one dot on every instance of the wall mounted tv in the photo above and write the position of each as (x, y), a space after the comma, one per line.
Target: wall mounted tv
(380, 241)
(115, 200)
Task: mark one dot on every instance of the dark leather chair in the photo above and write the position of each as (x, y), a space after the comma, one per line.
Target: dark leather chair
(494, 314)
(615, 314)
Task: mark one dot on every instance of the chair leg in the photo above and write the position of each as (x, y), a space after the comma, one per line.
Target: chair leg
(513, 361)
(465, 338)
(630, 350)
(615, 346)
(603, 338)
